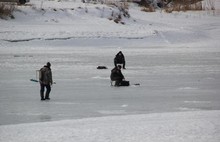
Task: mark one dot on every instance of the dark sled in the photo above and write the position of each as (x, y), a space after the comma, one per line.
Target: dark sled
(102, 67)
(123, 83)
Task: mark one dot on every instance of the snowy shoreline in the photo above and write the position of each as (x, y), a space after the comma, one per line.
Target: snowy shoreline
(196, 126)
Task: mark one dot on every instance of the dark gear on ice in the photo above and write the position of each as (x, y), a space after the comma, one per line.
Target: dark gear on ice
(119, 59)
(45, 79)
(116, 75)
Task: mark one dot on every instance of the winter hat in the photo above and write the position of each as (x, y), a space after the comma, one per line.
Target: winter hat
(48, 64)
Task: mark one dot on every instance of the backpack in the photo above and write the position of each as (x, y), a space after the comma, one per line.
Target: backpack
(41, 74)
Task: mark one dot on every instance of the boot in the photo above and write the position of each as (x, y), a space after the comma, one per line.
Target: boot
(42, 97)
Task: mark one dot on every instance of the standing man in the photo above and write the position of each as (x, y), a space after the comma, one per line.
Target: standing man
(45, 79)
(119, 59)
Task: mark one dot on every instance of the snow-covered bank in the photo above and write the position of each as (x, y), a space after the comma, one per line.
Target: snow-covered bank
(197, 126)
(64, 20)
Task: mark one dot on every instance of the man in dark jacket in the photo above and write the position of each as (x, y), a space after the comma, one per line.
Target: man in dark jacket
(116, 75)
(45, 79)
(119, 59)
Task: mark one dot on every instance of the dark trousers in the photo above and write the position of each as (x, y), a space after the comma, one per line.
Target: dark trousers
(42, 88)
(118, 82)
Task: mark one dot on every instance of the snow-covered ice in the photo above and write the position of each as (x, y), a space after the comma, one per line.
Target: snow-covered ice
(175, 57)
(158, 127)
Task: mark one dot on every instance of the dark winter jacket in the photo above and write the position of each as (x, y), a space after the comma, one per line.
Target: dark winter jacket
(116, 74)
(45, 75)
(119, 58)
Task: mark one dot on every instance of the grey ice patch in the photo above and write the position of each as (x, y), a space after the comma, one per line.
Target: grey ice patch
(187, 109)
(187, 88)
(125, 105)
(197, 102)
(112, 112)
(100, 77)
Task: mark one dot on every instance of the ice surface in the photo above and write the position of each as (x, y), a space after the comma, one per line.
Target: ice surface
(170, 79)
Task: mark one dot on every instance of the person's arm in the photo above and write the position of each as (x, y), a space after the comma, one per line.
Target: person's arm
(123, 57)
(40, 76)
(121, 74)
(51, 78)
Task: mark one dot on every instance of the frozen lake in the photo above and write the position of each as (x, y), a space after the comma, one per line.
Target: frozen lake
(175, 57)
(171, 79)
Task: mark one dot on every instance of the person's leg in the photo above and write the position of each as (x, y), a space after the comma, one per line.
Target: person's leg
(115, 62)
(48, 92)
(42, 91)
(117, 83)
(123, 64)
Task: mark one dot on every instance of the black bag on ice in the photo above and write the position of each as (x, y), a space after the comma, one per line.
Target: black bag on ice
(124, 83)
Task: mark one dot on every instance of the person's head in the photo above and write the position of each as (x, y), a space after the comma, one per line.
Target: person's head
(48, 64)
(119, 66)
(119, 53)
